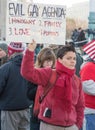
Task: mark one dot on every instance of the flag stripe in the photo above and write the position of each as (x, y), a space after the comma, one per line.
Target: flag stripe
(89, 45)
(89, 48)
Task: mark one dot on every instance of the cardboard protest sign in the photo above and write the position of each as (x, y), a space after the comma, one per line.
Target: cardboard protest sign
(27, 21)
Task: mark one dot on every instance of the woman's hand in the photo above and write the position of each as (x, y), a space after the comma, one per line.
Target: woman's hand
(32, 45)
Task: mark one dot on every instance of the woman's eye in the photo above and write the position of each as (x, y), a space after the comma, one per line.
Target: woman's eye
(68, 58)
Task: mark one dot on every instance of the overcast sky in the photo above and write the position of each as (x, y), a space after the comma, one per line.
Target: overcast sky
(68, 3)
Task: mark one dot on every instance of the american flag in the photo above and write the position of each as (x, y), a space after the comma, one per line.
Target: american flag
(89, 49)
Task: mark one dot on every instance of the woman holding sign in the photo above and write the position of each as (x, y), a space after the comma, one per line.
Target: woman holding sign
(63, 106)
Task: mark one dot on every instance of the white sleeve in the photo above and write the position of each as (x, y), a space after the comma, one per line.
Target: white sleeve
(89, 87)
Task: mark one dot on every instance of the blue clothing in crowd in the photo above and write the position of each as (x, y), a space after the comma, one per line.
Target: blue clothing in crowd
(13, 86)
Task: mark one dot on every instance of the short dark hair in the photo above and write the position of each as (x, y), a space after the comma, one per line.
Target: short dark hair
(64, 49)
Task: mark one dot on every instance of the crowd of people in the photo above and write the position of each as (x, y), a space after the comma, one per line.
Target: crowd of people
(26, 79)
(78, 35)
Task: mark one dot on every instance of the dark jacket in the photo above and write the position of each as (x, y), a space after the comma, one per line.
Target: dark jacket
(31, 91)
(13, 87)
(79, 61)
(81, 36)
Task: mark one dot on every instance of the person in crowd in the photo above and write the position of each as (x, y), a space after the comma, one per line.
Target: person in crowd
(3, 53)
(81, 35)
(79, 60)
(14, 104)
(63, 107)
(45, 58)
(87, 74)
(80, 39)
(74, 35)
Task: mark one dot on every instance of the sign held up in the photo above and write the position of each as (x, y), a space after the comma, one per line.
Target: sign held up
(44, 23)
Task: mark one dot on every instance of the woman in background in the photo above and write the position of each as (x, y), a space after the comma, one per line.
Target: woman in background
(45, 58)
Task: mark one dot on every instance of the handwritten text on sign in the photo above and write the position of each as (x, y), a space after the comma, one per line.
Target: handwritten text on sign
(26, 21)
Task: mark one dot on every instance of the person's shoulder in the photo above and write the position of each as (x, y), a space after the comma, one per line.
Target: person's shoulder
(5, 65)
(76, 78)
(90, 64)
(46, 69)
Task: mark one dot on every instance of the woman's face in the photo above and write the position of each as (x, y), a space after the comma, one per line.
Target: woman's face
(48, 63)
(69, 60)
